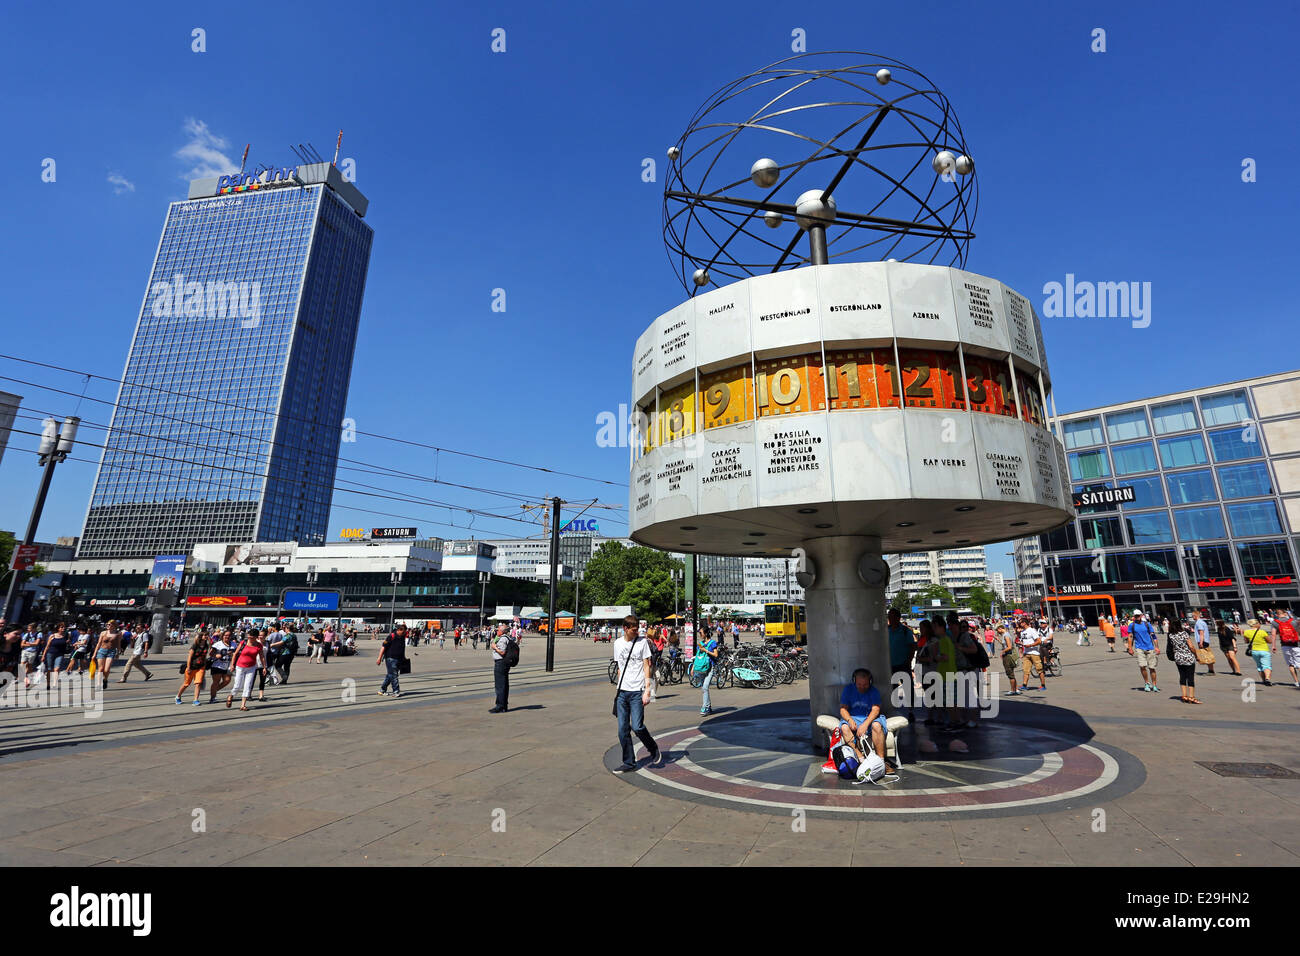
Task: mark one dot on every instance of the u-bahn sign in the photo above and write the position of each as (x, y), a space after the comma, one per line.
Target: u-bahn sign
(309, 600)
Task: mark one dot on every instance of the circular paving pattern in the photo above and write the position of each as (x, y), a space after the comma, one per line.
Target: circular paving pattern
(1019, 763)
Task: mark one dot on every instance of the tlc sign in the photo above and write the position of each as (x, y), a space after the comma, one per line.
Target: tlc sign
(577, 525)
(242, 182)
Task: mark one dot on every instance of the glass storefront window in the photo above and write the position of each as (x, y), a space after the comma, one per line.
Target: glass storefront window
(1189, 487)
(1150, 492)
(1215, 561)
(1231, 444)
(1087, 465)
(1182, 452)
(1251, 518)
(1226, 409)
(1122, 426)
(1081, 433)
(1131, 459)
(1160, 564)
(1264, 557)
(1063, 538)
(1174, 417)
(1245, 481)
(1101, 533)
(1153, 528)
(1199, 524)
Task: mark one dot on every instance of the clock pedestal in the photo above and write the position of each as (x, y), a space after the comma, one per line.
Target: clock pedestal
(846, 622)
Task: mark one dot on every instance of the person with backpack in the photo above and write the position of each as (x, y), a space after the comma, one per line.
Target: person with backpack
(1284, 630)
(705, 658)
(504, 650)
(1182, 642)
(391, 655)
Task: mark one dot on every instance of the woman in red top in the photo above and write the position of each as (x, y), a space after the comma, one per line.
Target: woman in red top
(248, 657)
(657, 642)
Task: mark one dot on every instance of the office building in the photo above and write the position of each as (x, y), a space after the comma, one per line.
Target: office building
(1185, 500)
(958, 570)
(228, 424)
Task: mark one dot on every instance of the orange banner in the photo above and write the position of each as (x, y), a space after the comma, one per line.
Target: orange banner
(217, 601)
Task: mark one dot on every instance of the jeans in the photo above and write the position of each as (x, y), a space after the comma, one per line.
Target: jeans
(393, 666)
(631, 720)
(501, 677)
(705, 705)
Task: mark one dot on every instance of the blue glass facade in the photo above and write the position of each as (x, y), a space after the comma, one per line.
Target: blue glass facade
(228, 425)
(1209, 526)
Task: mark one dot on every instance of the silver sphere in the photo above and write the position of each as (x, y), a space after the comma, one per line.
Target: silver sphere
(765, 173)
(883, 76)
(811, 210)
(674, 153)
(943, 161)
(701, 277)
(773, 219)
(965, 165)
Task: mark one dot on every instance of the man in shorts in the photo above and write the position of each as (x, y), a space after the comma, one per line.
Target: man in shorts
(861, 717)
(1108, 629)
(1010, 658)
(33, 645)
(1287, 634)
(1142, 645)
(1031, 653)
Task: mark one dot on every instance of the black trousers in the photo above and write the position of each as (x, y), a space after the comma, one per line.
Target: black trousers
(501, 674)
(1187, 674)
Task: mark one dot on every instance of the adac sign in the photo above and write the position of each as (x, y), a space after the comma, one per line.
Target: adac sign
(581, 526)
(243, 182)
(352, 533)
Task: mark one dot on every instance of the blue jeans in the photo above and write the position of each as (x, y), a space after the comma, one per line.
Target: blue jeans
(705, 704)
(392, 664)
(631, 720)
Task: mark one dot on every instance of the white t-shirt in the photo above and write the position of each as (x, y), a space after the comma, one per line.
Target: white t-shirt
(1029, 640)
(632, 671)
(141, 642)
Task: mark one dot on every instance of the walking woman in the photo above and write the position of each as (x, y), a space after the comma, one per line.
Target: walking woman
(1184, 643)
(196, 662)
(106, 651)
(1260, 645)
(711, 650)
(1228, 644)
(248, 657)
(219, 671)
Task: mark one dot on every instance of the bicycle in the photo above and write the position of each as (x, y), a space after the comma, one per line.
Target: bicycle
(1053, 662)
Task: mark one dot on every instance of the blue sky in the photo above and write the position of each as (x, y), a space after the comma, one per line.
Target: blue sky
(522, 171)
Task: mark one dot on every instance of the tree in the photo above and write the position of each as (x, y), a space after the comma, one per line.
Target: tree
(641, 577)
(980, 599)
(935, 592)
(902, 602)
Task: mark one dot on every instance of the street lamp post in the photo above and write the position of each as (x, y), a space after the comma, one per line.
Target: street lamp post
(483, 578)
(56, 444)
(677, 576)
(395, 576)
(1050, 563)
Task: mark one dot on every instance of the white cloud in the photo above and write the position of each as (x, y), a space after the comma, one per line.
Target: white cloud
(121, 184)
(205, 151)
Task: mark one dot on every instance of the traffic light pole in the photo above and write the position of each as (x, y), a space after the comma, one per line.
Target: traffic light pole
(30, 537)
(555, 558)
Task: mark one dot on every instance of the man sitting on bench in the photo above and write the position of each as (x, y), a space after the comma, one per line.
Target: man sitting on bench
(861, 717)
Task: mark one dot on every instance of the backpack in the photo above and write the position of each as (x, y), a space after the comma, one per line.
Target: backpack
(512, 653)
(1287, 632)
(291, 644)
(980, 659)
(1169, 647)
(702, 662)
(846, 762)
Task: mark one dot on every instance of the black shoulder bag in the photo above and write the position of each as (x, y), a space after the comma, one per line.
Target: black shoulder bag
(622, 672)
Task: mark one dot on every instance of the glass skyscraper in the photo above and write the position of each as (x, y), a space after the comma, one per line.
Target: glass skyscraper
(228, 422)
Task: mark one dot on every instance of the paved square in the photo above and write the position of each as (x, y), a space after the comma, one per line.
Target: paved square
(325, 772)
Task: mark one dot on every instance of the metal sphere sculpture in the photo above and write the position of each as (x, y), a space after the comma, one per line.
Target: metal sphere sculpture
(859, 151)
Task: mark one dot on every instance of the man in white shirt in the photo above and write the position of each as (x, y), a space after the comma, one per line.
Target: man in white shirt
(1031, 654)
(139, 651)
(632, 655)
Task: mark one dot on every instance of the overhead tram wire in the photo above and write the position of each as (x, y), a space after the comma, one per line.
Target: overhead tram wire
(237, 471)
(236, 405)
(258, 459)
(384, 471)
